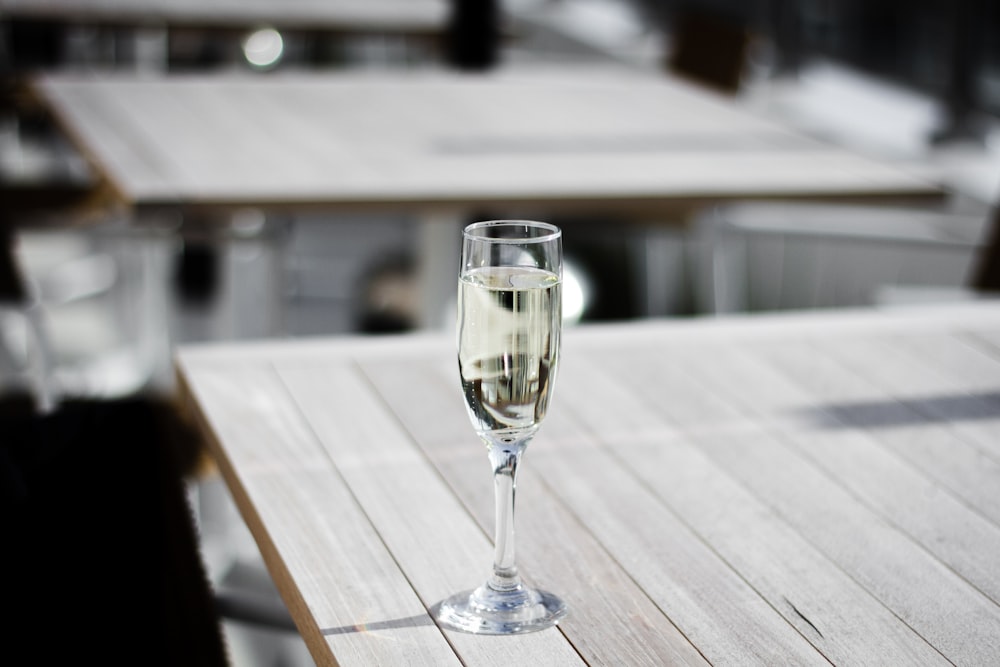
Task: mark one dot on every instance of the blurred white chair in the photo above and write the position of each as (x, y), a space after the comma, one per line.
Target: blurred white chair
(777, 256)
(91, 320)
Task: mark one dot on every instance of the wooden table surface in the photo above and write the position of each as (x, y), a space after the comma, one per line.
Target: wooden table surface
(407, 16)
(802, 488)
(576, 135)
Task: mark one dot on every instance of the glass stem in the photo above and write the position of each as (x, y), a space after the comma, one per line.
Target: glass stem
(505, 460)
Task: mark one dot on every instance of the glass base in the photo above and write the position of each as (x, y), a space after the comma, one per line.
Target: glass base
(486, 611)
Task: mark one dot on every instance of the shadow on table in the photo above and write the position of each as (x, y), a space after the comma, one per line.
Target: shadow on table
(392, 624)
(908, 412)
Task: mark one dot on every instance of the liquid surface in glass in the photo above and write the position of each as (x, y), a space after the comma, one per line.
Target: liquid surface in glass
(509, 323)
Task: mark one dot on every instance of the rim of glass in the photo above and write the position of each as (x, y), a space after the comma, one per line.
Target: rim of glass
(470, 231)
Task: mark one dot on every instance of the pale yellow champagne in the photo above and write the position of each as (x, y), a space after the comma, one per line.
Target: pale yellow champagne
(509, 324)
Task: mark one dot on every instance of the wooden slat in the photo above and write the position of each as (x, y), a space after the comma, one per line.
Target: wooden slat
(857, 398)
(957, 620)
(610, 617)
(344, 589)
(924, 439)
(835, 411)
(962, 390)
(781, 468)
(796, 580)
(711, 605)
(110, 141)
(436, 544)
(986, 341)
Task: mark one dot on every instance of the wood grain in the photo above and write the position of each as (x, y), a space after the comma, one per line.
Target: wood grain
(569, 136)
(784, 489)
(345, 590)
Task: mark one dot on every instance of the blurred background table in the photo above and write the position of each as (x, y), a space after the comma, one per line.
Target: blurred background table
(536, 141)
(798, 488)
(402, 17)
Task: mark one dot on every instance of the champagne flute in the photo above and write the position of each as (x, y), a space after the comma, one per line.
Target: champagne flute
(509, 326)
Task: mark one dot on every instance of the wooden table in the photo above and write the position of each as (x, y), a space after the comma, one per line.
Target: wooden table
(781, 489)
(386, 16)
(442, 144)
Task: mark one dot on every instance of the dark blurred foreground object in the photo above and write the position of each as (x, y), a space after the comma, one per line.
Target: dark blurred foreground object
(472, 41)
(100, 558)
